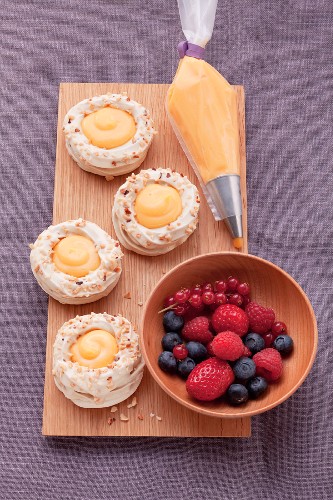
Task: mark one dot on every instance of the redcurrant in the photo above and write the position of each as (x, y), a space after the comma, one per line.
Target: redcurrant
(180, 351)
(208, 297)
(243, 288)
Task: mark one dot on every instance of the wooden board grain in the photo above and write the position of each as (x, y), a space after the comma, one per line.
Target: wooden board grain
(81, 194)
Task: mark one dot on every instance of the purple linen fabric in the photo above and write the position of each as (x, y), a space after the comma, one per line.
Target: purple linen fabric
(282, 52)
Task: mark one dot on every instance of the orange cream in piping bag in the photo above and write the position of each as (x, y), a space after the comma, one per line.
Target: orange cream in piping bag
(94, 349)
(203, 107)
(109, 127)
(157, 205)
(76, 255)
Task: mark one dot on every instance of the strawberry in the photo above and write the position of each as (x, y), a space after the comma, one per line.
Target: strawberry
(261, 318)
(268, 364)
(210, 379)
(228, 346)
(230, 317)
(197, 330)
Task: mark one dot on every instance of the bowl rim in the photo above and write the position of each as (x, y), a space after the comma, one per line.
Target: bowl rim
(235, 414)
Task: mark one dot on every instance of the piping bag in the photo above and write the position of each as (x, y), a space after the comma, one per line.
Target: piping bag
(202, 108)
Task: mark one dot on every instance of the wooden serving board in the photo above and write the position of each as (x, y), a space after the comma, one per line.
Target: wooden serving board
(81, 194)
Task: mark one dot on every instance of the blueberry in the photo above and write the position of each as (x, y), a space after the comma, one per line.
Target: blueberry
(170, 340)
(172, 322)
(237, 394)
(185, 367)
(254, 342)
(284, 344)
(244, 368)
(256, 386)
(167, 362)
(196, 351)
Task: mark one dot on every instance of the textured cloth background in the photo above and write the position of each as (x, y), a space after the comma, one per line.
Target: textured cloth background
(281, 52)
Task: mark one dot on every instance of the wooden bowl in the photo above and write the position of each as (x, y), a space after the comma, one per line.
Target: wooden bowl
(270, 286)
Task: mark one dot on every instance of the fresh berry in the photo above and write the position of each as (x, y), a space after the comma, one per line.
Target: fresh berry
(232, 284)
(228, 346)
(279, 328)
(196, 290)
(268, 339)
(247, 353)
(195, 300)
(261, 318)
(237, 394)
(284, 344)
(236, 299)
(185, 367)
(181, 309)
(254, 342)
(170, 340)
(230, 317)
(196, 351)
(220, 299)
(256, 386)
(182, 295)
(169, 301)
(193, 312)
(269, 364)
(243, 288)
(208, 297)
(220, 286)
(172, 322)
(244, 368)
(198, 330)
(210, 379)
(167, 362)
(207, 287)
(246, 300)
(180, 352)
(210, 349)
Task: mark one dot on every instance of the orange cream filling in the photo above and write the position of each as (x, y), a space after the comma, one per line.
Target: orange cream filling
(109, 127)
(157, 206)
(76, 255)
(94, 349)
(203, 106)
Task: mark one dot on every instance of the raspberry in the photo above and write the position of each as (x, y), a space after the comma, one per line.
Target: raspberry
(210, 349)
(198, 330)
(269, 364)
(228, 346)
(261, 318)
(247, 353)
(210, 379)
(230, 317)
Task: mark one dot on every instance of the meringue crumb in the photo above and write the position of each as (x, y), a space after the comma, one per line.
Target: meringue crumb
(114, 409)
(111, 420)
(123, 418)
(31, 246)
(152, 415)
(127, 295)
(140, 304)
(133, 403)
(158, 418)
